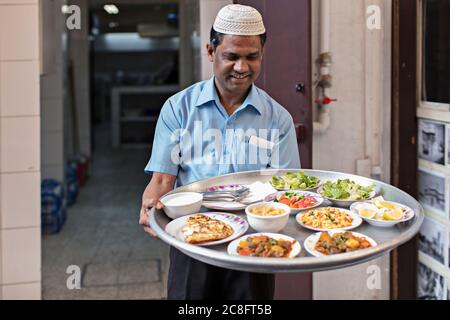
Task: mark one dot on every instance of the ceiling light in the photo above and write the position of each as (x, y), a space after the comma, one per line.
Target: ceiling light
(65, 9)
(111, 8)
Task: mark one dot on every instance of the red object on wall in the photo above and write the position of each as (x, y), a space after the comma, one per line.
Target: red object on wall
(325, 100)
(82, 170)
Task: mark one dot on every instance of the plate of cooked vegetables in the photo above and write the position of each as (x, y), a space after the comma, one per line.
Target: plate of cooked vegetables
(265, 245)
(344, 192)
(295, 181)
(327, 243)
(328, 218)
(297, 200)
(382, 213)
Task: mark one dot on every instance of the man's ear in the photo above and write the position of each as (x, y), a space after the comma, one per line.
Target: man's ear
(210, 51)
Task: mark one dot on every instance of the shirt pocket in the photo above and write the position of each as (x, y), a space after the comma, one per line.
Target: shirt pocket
(256, 156)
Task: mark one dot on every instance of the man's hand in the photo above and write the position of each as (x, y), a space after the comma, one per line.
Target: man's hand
(159, 184)
(147, 204)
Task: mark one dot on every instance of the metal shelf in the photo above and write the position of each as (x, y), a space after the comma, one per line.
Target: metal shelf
(117, 119)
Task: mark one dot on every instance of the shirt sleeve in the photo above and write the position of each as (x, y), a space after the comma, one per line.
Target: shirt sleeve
(285, 153)
(165, 149)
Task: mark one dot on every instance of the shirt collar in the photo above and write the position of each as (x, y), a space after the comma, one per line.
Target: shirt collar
(209, 93)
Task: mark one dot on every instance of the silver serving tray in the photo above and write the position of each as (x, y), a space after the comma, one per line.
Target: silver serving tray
(387, 238)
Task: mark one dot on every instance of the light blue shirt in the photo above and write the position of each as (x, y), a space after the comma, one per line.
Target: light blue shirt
(196, 139)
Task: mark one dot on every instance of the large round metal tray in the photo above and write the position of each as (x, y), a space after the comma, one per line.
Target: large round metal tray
(387, 238)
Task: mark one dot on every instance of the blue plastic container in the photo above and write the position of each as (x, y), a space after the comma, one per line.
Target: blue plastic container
(53, 211)
(71, 182)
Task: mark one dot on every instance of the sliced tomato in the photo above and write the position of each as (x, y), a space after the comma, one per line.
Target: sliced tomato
(307, 202)
(285, 201)
(292, 201)
(296, 205)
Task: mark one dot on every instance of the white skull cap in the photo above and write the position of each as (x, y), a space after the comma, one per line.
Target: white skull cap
(239, 20)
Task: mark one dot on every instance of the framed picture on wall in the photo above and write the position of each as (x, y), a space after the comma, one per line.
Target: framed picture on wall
(447, 145)
(431, 141)
(431, 191)
(430, 284)
(432, 239)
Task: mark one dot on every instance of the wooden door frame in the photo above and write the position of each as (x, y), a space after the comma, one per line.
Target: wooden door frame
(291, 285)
(303, 115)
(404, 136)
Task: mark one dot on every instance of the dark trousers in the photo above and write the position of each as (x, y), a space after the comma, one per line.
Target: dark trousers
(190, 279)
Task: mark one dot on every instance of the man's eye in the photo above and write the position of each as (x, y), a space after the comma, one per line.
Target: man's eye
(231, 57)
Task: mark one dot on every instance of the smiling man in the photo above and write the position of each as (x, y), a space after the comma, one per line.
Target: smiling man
(223, 125)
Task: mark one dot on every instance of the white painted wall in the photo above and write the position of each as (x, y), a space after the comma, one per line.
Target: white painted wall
(79, 53)
(208, 12)
(52, 104)
(358, 140)
(20, 230)
(189, 54)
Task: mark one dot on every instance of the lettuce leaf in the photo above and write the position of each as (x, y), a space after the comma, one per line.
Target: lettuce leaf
(346, 190)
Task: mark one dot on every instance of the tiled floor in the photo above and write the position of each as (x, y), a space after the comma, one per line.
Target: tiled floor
(102, 236)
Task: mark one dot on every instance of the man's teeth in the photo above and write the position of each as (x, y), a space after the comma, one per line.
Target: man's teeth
(240, 77)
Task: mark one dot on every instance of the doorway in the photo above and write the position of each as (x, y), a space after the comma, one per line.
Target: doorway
(288, 80)
(121, 71)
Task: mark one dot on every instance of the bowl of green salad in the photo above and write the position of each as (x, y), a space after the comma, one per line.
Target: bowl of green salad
(297, 180)
(344, 192)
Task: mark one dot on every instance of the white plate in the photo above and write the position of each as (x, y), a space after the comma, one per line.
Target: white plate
(238, 224)
(318, 197)
(224, 205)
(345, 203)
(408, 215)
(355, 222)
(311, 241)
(232, 247)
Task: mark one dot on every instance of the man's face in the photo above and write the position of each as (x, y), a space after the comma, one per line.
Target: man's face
(236, 62)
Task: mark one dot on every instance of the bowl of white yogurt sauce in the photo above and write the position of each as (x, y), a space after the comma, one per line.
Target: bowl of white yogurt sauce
(181, 204)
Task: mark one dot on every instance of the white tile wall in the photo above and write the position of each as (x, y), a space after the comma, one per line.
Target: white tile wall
(20, 200)
(19, 34)
(21, 255)
(18, 2)
(20, 247)
(1, 259)
(19, 144)
(19, 88)
(24, 291)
